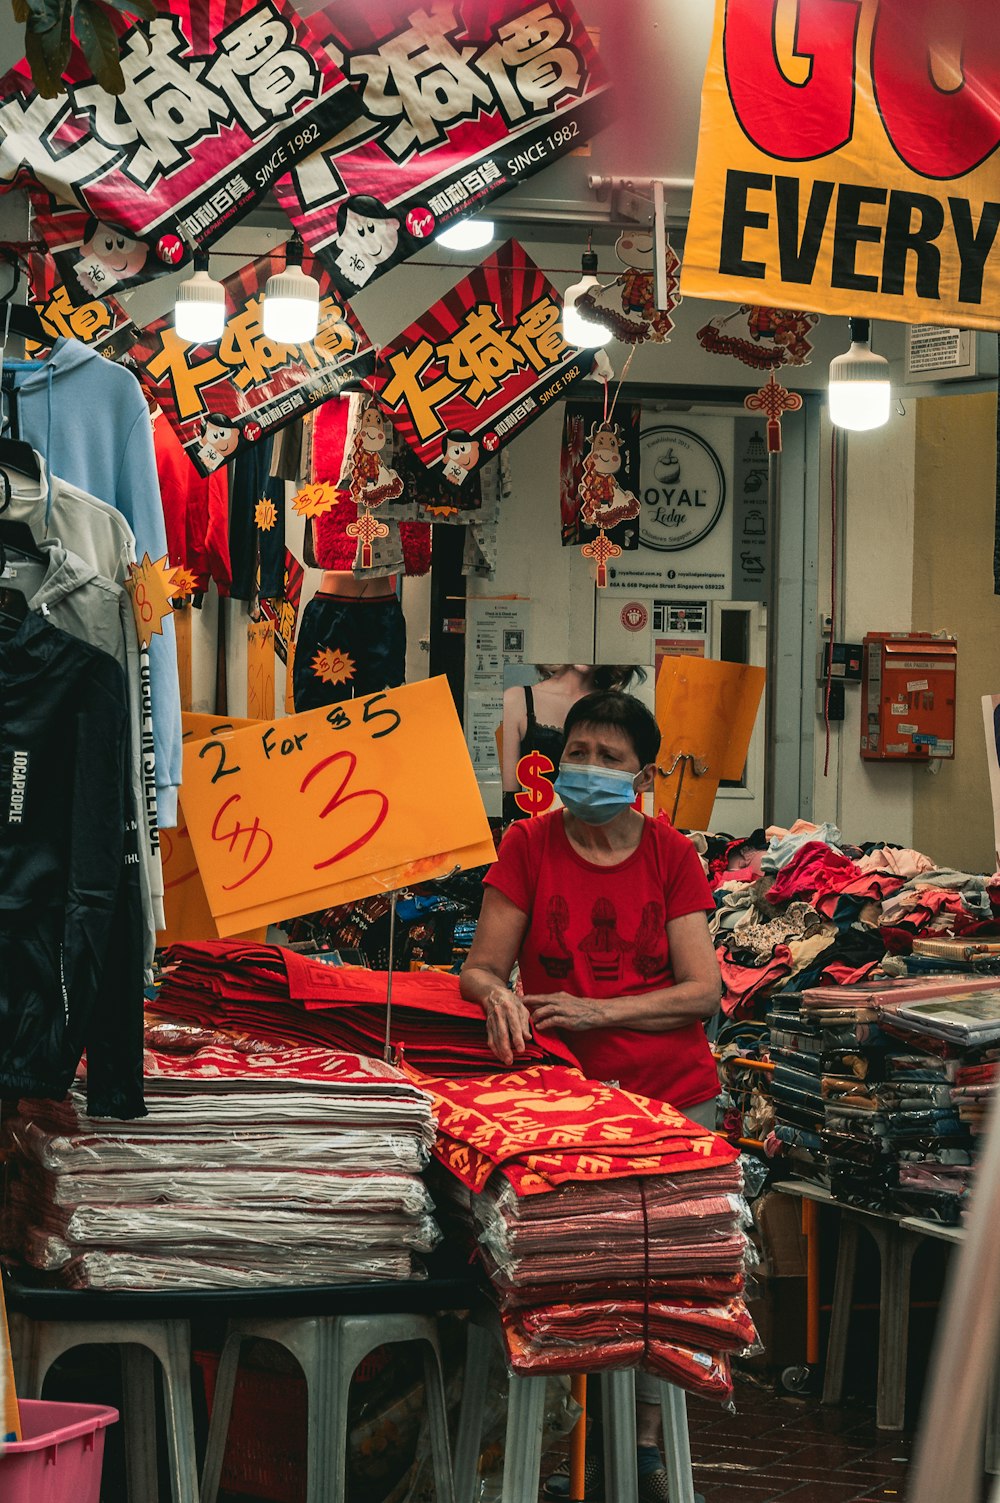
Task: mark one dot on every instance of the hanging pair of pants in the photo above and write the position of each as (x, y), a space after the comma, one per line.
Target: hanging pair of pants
(347, 648)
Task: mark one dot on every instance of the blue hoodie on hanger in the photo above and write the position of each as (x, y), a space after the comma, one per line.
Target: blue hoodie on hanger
(88, 418)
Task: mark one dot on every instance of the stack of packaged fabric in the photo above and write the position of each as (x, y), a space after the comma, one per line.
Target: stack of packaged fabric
(863, 1104)
(611, 1227)
(256, 1166)
(276, 993)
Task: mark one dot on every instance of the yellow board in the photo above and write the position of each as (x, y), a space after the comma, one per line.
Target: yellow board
(848, 161)
(705, 710)
(333, 805)
(182, 631)
(185, 904)
(260, 670)
(8, 1394)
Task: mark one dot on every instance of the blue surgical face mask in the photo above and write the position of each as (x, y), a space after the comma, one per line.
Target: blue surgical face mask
(595, 794)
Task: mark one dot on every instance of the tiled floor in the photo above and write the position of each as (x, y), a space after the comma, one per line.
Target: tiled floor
(793, 1449)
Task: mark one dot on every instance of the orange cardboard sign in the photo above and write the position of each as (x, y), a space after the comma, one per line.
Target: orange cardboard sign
(151, 586)
(706, 712)
(185, 904)
(333, 805)
(260, 670)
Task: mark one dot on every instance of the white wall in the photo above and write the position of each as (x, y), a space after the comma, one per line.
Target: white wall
(867, 800)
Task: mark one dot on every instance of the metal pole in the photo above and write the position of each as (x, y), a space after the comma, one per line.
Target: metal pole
(773, 591)
(387, 1052)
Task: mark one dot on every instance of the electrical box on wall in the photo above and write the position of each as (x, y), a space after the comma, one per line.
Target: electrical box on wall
(908, 697)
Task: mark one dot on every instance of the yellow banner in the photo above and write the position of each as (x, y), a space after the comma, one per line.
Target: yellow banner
(323, 808)
(848, 160)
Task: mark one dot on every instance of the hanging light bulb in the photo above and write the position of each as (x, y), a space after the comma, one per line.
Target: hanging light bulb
(860, 393)
(580, 332)
(291, 300)
(467, 235)
(200, 305)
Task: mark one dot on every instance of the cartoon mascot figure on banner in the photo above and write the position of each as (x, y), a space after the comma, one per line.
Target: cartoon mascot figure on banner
(640, 319)
(369, 480)
(774, 336)
(603, 503)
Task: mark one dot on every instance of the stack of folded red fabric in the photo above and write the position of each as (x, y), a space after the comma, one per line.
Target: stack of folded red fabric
(276, 993)
(256, 1166)
(611, 1227)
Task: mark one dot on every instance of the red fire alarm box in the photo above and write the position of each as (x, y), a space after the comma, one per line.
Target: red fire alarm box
(908, 697)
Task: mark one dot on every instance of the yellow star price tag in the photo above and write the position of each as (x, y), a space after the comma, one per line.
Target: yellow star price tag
(315, 500)
(151, 586)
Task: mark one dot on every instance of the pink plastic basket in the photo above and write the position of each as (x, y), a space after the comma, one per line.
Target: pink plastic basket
(61, 1456)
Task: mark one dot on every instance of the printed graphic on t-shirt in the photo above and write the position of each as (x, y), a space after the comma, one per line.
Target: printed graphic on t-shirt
(604, 950)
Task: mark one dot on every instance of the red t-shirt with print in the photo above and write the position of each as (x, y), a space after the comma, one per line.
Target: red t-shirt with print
(600, 931)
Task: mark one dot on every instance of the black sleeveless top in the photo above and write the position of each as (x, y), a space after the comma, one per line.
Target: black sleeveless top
(547, 739)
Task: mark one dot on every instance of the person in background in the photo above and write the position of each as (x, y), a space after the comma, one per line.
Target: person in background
(604, 910)
(534, 715)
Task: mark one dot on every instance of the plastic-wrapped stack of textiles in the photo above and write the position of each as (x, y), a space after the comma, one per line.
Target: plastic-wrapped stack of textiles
(865, 1106)
(611, 1227)
(257, 1165)
(275, 993)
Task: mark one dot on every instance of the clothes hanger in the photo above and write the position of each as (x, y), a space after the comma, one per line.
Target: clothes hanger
(15, 537)
(14, 453)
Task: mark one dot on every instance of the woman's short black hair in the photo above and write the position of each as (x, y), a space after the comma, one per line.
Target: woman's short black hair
(610, 707)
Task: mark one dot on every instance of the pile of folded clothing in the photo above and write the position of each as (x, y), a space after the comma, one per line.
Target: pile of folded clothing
(257, 1165)
(276, 993)
(611, 1227)
(811, 910)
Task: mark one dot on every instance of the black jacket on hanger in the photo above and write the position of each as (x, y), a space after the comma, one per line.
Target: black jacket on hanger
(70, 963)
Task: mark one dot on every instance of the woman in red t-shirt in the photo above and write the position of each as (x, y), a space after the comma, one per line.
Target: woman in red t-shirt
(605, 912)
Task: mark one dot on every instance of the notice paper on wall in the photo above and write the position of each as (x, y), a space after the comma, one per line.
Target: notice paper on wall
(496, 637)
(323, 808)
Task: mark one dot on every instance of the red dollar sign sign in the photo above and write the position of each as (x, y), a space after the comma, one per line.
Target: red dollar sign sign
(537, 793)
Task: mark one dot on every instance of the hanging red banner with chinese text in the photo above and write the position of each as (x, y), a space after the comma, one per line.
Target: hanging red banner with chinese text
(467, 100)
(480, 366)
(221, 96)
(220, 396)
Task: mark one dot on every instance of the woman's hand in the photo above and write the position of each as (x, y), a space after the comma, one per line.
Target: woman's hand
(508, 1024)
(560, 1010)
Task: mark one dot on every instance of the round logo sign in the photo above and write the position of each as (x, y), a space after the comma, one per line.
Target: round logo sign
(491, 442)
(420, 222)
(683, 489)
(252, 431)
(170, 249)
(634, 616)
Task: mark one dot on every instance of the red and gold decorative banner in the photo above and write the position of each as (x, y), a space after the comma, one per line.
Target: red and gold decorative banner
(480, 365)
(221, 96)
(220, 396)
(464, 101)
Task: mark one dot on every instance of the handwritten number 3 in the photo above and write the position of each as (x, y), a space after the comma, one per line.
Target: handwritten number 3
(341, 797)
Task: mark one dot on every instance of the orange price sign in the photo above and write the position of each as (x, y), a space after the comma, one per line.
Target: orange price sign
(537, 794)
(151, 586)
(333, 805)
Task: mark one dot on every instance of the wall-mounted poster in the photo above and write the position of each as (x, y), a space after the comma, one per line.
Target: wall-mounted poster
(848, 162)
(686, 519)
(464, 100)
(220, 396)
(480, 365)
(221, 97)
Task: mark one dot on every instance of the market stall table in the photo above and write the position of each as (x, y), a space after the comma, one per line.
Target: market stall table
(897, 1239)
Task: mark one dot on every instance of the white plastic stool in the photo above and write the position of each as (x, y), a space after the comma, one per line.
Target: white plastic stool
(35, 1345)
(525, 1424)
(329, 1349)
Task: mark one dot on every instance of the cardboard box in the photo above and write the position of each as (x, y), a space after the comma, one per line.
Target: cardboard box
(778, 1223)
